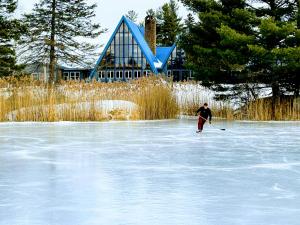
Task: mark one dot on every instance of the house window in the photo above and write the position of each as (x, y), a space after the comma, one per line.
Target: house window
(110, 74)
(137, 74)
(101, 74)
(77, 76)
(74, 75)
(119, 74)
(146, 73)
(66, 76)
(36, 76)
(128, 74)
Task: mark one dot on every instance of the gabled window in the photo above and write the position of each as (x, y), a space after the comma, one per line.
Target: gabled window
(123, 53)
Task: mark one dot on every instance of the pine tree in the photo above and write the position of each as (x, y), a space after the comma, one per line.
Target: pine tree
(237, 41)
(10, 31)
(132, 15)
(275, 55)
(150, 12)
(169, 24)
(57, 29)
(297, 82)
(216, 45)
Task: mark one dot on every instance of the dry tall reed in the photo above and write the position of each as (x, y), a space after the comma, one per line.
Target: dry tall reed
(25, 99)
(261, 110)
(191, 95)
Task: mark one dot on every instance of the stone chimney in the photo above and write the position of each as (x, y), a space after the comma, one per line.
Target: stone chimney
(150, 32)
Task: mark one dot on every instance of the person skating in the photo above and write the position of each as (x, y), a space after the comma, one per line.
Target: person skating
(204, 114)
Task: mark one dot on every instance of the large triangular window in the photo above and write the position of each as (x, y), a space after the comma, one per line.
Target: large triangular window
(123, 54)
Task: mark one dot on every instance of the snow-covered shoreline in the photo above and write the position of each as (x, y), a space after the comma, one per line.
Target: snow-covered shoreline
(138, 121)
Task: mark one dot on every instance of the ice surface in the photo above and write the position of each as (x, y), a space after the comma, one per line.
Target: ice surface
(149, 173)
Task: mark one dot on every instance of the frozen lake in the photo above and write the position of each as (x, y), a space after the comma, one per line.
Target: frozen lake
(149, 173)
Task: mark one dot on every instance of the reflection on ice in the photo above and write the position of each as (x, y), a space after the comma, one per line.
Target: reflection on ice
(145, 173)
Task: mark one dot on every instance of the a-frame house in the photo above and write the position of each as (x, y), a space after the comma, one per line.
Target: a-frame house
(131, 54)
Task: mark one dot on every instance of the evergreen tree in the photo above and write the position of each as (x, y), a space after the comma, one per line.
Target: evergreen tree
(56, 32)
(245, 42)
(298, 16)
(275, 55)
(150, 12)
(132, 15)
(216, 45)
(10, 31)
(297, 82)
(168, 24)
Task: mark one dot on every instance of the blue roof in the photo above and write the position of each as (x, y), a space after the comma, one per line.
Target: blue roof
(155, 62)
(163, 53)
(140, 39)
(142, 29)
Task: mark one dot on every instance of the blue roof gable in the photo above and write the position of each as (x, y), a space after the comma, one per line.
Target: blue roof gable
(164, 53)
(138, 34)
(140, 39)
(142, 29)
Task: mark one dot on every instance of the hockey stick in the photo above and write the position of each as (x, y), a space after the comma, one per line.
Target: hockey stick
(217, 128)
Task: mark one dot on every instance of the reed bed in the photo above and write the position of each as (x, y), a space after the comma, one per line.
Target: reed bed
(287, 108)
(25, 99)
(163, 104)
(191, 95)
(258, 110)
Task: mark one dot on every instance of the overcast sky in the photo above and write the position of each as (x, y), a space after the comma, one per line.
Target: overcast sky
(109, 12)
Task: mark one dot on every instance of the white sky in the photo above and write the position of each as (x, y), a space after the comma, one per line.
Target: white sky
(109, 12)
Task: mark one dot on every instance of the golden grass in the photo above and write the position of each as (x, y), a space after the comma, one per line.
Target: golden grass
(259, 110)
(25, 99)
(286, 108)
(157, 102)
(219, 109)
(195, 96)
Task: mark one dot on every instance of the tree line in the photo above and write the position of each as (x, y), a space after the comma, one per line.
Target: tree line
(53, 33)
(241, 41)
